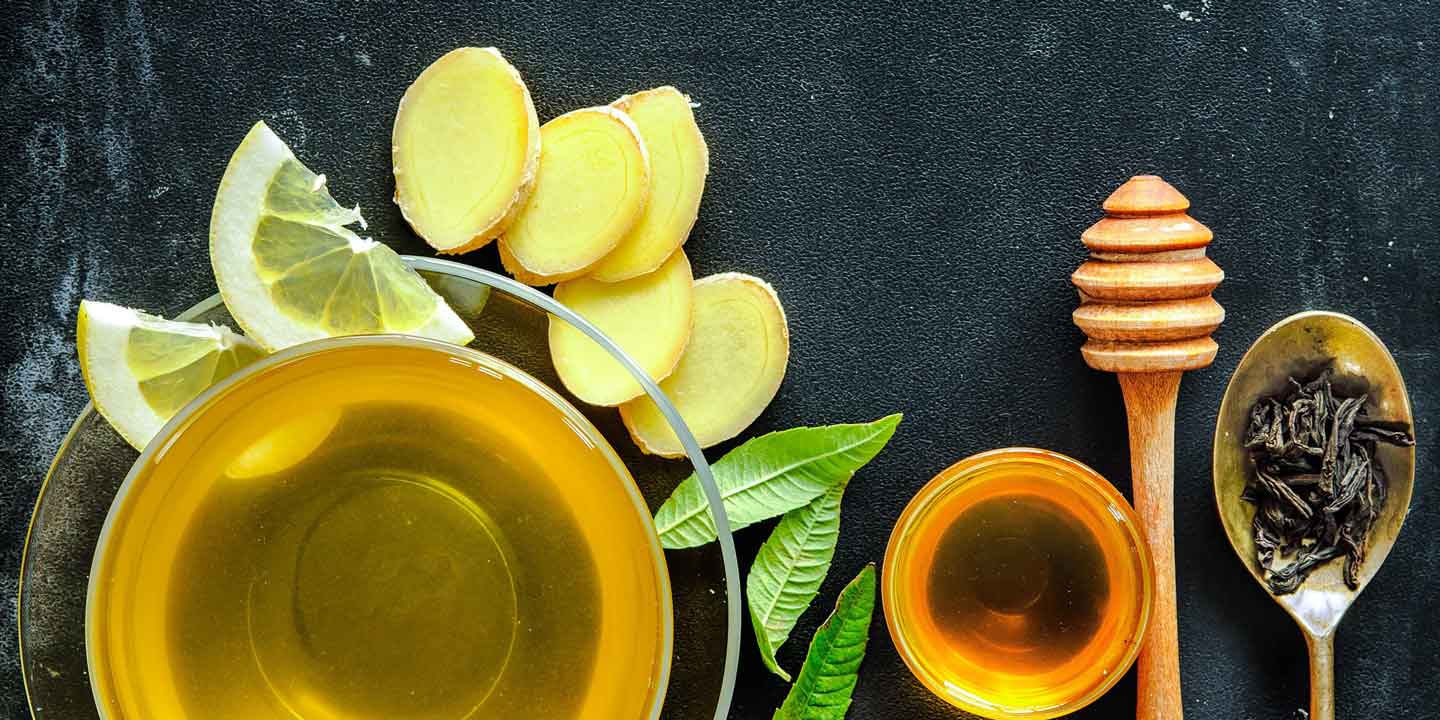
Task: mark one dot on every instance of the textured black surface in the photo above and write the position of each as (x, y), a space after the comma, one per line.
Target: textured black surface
(912, 179)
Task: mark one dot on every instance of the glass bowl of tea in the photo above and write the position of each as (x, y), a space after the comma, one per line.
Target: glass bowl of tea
(1017, 584)
(379, 526)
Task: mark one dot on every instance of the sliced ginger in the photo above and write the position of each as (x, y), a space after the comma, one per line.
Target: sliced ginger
(466, 146)
(647, 316)
(592, 186)
(730, 371)
(679, 162)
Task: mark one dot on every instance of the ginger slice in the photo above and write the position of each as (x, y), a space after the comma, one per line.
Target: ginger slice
(592, 186)
(647, 316)
(679, 162)
(465, 148)
(730, 371)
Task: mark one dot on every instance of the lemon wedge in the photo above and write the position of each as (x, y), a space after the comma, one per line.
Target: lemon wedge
(290, 270)
(141, 369)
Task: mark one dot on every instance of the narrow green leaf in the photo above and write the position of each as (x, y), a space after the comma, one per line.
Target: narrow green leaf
(788, 570)
(822, 692)
(771, 475)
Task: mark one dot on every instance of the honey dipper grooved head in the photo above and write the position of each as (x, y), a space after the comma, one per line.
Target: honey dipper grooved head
(1145, 291)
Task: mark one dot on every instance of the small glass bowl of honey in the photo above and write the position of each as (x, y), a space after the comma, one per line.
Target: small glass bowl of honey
(1017, 584)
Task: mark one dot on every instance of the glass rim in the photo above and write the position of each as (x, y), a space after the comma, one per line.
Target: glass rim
(1087, 481)
(515, 289)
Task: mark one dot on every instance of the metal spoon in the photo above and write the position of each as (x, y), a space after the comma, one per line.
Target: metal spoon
(1300, 346)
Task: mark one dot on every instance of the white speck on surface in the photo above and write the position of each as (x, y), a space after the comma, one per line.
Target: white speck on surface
(157, 192)
(362, 58)
(1365, 278)
(1185, 15)
(1332, 113)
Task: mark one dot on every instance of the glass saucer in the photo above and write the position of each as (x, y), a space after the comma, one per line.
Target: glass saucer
(510, 322)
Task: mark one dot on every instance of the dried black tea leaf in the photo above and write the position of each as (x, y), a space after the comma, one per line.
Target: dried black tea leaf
(1317, 487)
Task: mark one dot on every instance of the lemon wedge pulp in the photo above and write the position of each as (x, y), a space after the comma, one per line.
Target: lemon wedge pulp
(290, 270)
(141, 369)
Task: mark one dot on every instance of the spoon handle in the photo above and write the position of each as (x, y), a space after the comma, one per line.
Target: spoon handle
(1322, 676)
(1150, 405)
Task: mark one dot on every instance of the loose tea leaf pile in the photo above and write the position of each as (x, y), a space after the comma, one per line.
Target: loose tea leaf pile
(1317, 485)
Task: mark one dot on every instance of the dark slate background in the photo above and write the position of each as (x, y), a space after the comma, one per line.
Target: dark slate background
(913, 179)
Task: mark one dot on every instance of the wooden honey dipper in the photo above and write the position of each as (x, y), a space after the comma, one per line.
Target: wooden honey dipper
(1145, 306)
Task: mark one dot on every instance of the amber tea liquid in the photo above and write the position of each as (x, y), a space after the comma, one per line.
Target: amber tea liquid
(1015, 588)
(381, 531)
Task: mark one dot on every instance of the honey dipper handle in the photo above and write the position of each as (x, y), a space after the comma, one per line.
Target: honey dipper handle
(1322, 676)
(1150, 405)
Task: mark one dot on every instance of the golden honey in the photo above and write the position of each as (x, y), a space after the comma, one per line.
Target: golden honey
(1017, 584)
(382, 528)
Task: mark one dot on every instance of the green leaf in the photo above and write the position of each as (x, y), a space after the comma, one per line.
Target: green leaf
(822, 692)
(771, 475)
(788, 571)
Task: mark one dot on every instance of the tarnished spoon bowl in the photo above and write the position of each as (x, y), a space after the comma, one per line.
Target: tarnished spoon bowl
(1300, 346)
